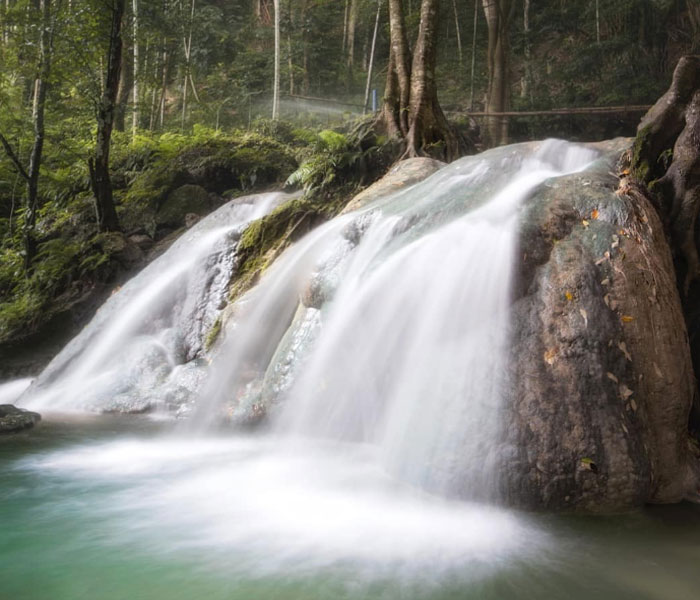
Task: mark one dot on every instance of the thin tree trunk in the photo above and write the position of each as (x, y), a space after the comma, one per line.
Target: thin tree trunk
(5, 26)
(126, 83)
(370, 67)
(401, 52)
(306, 83)
(345, 26)
(473, 66)
(38, 110)
(135, 113)
(527, 75)
(352, 28)
(41, 82)
(187, 80)
(99, 165)
(597, 21)
(290, 57)
(458, 31)
(276, 82)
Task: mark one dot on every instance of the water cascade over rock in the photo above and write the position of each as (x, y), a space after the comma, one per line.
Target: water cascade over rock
(139, 351)
(505, 330)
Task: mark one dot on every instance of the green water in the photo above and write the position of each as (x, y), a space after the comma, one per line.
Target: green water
(120, 508)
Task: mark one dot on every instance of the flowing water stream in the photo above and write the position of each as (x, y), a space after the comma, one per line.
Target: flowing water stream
(374, 347)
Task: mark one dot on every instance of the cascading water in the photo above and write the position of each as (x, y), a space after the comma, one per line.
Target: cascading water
(374, 347)
(398, 341)
(138, 351)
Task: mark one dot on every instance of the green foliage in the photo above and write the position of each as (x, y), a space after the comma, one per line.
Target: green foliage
(333, 155)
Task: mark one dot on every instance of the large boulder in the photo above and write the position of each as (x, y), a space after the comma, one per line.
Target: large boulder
(401, 175)
(13, 419)
(601, 383)
(185, 200)
(666, 159)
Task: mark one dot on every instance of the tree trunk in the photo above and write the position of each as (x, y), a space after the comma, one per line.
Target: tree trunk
(135, 112)
(429, 126)
(370, 66)
(352, 28)
(458, 30)
(276, 83)
(411, 110)
(498, 15)
(126, 82)
(290, 54)
(525, 83)
(187, 79)
(401, 64)
(473, 65)
(306, 81)
(31, 173)
(99, 165)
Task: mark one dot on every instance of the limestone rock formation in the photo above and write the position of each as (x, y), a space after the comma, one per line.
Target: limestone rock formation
(401, 175)
(602, 381)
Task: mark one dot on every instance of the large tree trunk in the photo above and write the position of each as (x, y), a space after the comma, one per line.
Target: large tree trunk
(411, 110)
(428, 123)
(99, 165)
(498, 16)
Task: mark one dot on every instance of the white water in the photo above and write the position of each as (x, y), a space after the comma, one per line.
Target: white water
(138, 350)
(402, 343)
(386, 383)
(259, 507)
(11, 390)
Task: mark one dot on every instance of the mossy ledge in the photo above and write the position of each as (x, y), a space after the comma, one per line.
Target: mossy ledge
(265, 239)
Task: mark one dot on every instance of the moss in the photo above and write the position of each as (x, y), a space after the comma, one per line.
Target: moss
(640, 166)
(22, 312)
(221, 164)
(213, 334)
(264, 239)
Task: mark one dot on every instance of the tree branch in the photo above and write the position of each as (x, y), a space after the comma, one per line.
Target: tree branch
(13, 157)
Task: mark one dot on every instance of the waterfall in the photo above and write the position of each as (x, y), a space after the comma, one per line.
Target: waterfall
(399, 339)
(139, 350)
(386, 327)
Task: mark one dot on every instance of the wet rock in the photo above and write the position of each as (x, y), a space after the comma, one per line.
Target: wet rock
(13, 419)
(191, 219)
(601, 382)
(403, 174)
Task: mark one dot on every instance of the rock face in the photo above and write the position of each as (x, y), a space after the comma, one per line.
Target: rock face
(666, 159)
(601, 383)
(13, 419)
(405, 173)
(185, 200)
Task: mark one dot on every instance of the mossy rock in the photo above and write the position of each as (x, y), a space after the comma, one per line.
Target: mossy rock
(264, 239)
(182, 201)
